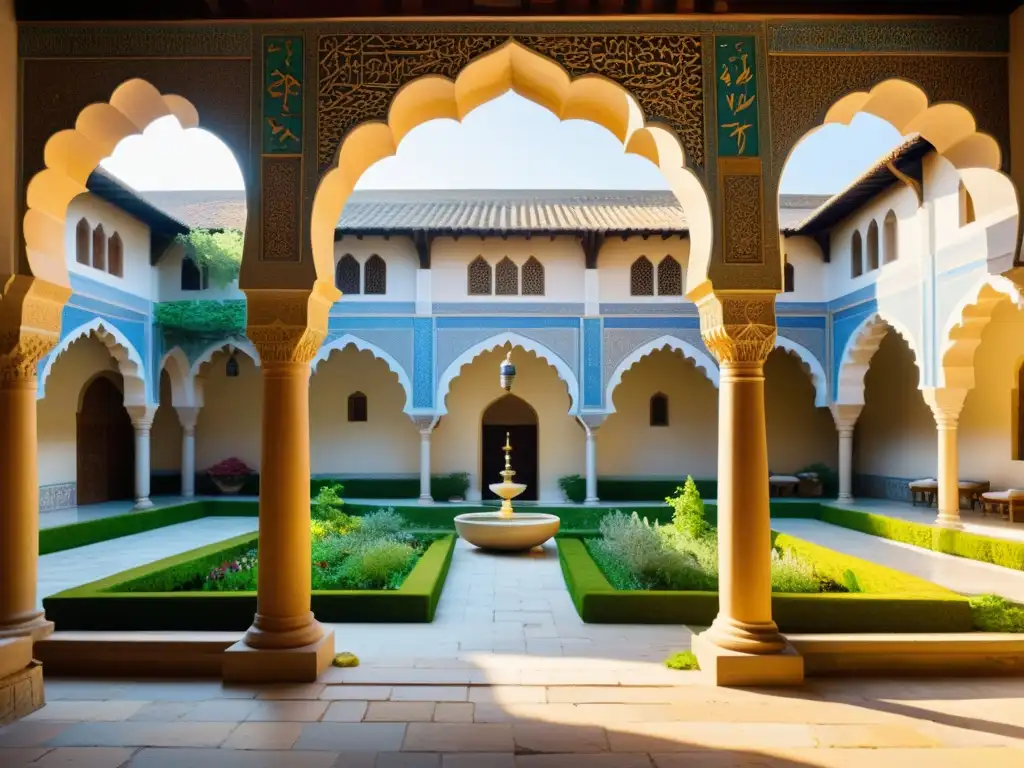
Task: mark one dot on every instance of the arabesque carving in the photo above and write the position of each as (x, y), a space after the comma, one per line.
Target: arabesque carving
(30, 316)
(738, 328)
(289, 326)
(359, 75)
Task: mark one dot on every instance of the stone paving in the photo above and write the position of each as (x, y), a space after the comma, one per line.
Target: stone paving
(956, 573)
(73, 567)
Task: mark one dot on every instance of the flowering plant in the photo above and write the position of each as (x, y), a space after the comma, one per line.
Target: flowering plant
(246, 562)
(230, 468)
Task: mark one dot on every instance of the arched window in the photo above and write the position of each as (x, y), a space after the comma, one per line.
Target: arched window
(231, 367)
(966, 205)
(115, 256)
(788, 283)
(889, 238)
(357, 407)
(872, 245)
(506, 278)
(82, 237)
(641, 278)
(376, 276)
(99, 248)
(856, 256)
(479, 277)
(659, 410)
(191, 277)
(670, 277)
(346, 274)
(533, 278)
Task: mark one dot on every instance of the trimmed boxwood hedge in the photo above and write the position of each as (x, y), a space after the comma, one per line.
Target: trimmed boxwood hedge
(908, 604)
(99, 606)
(986, 549)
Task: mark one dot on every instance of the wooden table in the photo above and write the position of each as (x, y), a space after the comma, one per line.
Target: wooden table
(924, 491)
(927, 491)
(972, 490)
(997, 502)
(782, 485)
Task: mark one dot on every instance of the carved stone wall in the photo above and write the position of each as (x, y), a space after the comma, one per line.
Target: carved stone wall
(359, 75)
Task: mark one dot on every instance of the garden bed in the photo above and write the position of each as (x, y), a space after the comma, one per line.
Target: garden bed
(116, 602)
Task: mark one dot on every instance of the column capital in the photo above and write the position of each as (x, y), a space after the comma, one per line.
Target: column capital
(592, 421)
(425, 423)
(287, 325)
(738, 327)
(30, 315)
(187, 416)
(141, 415)
(946, 404)
(845, 416)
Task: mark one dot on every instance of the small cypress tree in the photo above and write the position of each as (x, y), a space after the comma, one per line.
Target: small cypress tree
(688, 516)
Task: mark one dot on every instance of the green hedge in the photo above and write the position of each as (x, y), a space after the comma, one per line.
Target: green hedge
(98, 606)
(912, 605)
(650, 490)
(985, 549)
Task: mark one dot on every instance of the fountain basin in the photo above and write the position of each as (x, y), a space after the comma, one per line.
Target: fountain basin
(518, 533)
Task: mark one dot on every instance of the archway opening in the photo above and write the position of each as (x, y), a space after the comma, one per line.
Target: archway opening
(800, 433)
(512, 418)
(105, 443)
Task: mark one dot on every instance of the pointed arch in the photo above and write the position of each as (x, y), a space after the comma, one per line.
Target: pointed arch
(179, 372)
(346, 275)
(670, 277)
(512, 66)
(810, 364)
(363, 345)
(507, 340)
(129, 361)
(966, 324)
(658, 407)
(234, 345)
(890, 250)
(506, 278)
(701, 359)
(70, 156)
(533, 277)
(115, 255)
(856, 255)
(872, 247)
(99, 248)
(856, 357)
(376, 277)
(83, 241)
(641, 277)
(478, 277)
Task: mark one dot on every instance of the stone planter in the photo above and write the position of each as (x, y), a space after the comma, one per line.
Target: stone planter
(229, 486)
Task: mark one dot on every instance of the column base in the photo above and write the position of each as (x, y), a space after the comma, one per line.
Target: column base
(845, 499)
(947, 520)
(245, 664)
(143, 504)
(745, 637)
(36, 627)
(21, 680)
(724, 667)
(426, 499)
(593, 500)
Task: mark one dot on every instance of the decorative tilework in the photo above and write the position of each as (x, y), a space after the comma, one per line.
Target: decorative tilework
(283, 92)
(507, 308)
(882, 487)
(960, 35)
(843, 327)
(57, 496)
(620, 342)
(452, 342)
(592, 389)
(684, 309)
(157, 41)
(671, 323)
(397, 342)
(814, 339)
(423, 356)
(335, 323)
(508, 323)
(344, 307)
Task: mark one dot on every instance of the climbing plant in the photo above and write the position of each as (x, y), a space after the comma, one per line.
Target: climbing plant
(219, 251)
(214, 318)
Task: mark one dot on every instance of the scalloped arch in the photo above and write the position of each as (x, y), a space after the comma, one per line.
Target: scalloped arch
(362, 345)
(179, 372)
(129, 361)
(967, 323)
(701, 360)
(859, 350)
(71, 155)
(811, 365)
(511, 340)
(241, 345)
(512, 66)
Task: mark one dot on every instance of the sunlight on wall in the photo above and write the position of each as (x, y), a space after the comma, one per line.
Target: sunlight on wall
(166, 157)
(230, 422)
(165, 434)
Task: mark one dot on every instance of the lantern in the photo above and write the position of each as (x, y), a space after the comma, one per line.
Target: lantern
(507, 373)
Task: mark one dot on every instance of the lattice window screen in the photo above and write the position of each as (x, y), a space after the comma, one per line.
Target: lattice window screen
(641, 277)
(346, 274)
(670, 277)
(376, 276)
(506, 278)
(479, 277)
(533, 278)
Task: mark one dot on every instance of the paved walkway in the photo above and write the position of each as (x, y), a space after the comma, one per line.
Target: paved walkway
(73, 567)
(956, 573)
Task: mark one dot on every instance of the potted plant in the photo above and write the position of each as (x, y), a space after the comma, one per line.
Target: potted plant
(229, 475)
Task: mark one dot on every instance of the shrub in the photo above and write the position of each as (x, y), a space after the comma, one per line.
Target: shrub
(383, 522)
(230, 468)
(202, 318)
(379, 564)
(688, 511)
(574, 487)
(992, 613)
(850, 581)
(684, 660)
(445, 487)
(791, 574)
(220, 252)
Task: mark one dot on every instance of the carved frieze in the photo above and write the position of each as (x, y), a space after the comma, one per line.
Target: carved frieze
(742, 211)
(281, 204)
(738, 328)
(288, 326)
(359, 75)
(30, 317)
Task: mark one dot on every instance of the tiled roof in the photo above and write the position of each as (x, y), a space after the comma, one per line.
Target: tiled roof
(488, 210)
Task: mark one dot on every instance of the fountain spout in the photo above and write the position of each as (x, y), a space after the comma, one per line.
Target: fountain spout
(506, 490)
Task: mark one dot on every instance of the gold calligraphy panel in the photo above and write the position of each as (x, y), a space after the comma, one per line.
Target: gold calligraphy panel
(736, 88)
(282, 95)
(359, 75)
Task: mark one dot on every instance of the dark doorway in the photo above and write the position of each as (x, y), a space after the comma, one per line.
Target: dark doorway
(513, 416)
(106, 445)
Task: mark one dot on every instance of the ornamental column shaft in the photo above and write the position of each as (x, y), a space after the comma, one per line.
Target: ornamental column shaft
(946, 404)
(30, 312)
(845, 417)
(287, 328)
(743, 646)
(425, 495)
(142, 423)
(591, 497)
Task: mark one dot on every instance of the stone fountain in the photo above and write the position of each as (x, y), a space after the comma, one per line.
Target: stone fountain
(506, 529)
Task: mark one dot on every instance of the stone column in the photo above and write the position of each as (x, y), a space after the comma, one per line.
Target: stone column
(30, 312)
(946, 404)
(142, 423)
(591, 466)
(285, 642)
(845, 417)
(743, 646)
(188, 417)
(426, 427)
